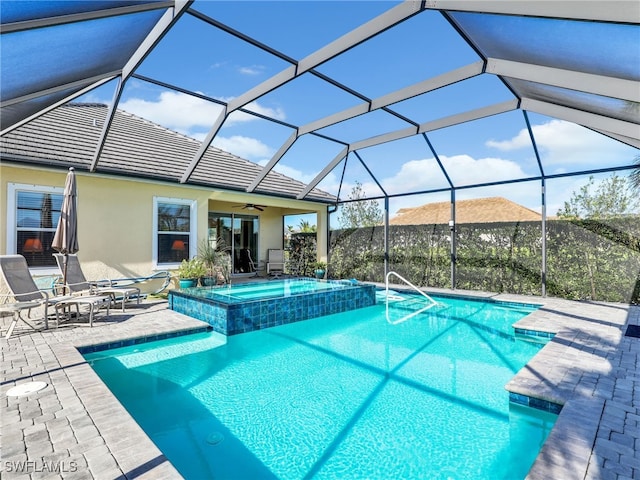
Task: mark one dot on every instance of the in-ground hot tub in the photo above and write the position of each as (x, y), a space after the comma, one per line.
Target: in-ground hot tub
(253, 306)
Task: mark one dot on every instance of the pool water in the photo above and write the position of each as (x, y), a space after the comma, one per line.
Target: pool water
(351, 395)
(268, 289)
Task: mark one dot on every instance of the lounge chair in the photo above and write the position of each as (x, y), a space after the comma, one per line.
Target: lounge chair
(78, 284)
(275, 262)
(23, 294)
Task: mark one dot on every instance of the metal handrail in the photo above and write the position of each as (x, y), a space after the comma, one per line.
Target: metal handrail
(408, 283)
(412, 314)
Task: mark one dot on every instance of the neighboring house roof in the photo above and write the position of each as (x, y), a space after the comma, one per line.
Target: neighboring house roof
(479, 210)
(68, 135)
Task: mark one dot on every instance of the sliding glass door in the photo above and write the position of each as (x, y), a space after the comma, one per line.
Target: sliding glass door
(239, 235)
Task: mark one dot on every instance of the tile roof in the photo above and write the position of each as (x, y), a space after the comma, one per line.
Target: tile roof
(479, 210)
(68, 136)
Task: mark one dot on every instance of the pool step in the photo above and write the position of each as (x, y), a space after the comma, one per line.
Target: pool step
(401, 311)
(412, 305)
(392, 296)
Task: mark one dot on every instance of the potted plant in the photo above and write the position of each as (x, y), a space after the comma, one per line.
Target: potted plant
(320, 269)
(207, 255)
(216, 261)
(190, 271)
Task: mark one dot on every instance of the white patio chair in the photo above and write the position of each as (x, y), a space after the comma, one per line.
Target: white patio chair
(275, 262)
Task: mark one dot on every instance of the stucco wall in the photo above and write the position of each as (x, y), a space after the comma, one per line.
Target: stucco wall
(116, 217)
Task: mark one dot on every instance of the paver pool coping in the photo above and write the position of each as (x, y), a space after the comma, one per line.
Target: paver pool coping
(77, 426)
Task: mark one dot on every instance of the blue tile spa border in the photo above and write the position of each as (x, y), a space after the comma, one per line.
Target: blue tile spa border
(235, 318)
(138, 340)
(532, 402)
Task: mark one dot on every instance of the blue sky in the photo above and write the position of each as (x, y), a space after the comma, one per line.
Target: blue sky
(200, 58)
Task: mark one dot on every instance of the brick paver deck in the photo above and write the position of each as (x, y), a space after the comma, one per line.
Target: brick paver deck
(76, 429)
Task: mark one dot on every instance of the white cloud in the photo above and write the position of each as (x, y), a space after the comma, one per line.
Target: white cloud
(244, 147)
(465, 170)
(188, 114)
(425, 174)
(237, 117)
(174, 110)
(252, 70)
(563, 143)
(522, 140)
(415, 175)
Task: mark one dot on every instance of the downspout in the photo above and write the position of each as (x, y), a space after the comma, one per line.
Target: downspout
(330, 209)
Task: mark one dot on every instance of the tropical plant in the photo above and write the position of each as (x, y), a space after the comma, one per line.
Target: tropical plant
(320, 268)
(306, 227)
(216, 260)
(320, 265)
(207, 254)
(302, 253)
(191, 269)
(612, 197)
(360, 212)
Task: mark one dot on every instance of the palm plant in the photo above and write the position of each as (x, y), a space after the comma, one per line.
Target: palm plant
(215, 259)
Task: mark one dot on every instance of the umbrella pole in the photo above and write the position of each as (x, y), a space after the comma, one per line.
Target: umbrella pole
(64, 274)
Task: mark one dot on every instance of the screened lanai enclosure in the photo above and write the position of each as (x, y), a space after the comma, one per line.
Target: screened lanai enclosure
(484, 145)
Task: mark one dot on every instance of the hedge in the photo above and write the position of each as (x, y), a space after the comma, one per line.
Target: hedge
(586, 259)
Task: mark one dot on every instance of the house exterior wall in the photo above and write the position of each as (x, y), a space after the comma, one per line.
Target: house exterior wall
(116, 217)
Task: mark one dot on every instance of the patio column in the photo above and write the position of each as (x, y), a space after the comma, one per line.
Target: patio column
(322, 234)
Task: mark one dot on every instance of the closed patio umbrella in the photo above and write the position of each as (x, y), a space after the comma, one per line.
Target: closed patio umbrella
(65, 240)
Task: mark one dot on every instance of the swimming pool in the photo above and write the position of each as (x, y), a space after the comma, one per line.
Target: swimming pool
(242, 308)
(350, 395)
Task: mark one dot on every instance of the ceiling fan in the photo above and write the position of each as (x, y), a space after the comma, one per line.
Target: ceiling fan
(252, 206)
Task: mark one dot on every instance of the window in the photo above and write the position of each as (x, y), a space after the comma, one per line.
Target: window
(174, 230)
(33, 212)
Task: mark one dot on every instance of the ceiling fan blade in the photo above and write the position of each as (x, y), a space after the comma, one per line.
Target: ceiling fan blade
(250, 206)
